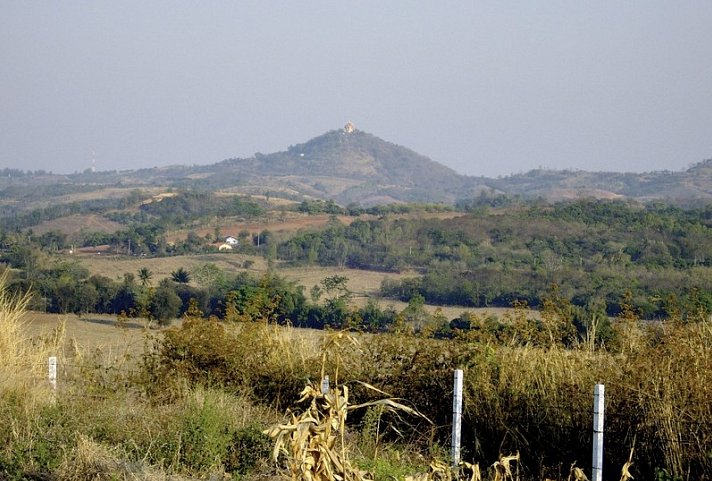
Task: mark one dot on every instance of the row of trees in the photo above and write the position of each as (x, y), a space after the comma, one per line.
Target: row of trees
(67, 287)
(208, 291)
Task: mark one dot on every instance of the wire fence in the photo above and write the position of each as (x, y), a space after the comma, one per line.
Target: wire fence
(681, 428)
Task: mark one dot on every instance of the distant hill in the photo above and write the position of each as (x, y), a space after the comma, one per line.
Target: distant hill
(347, 166)
(351, 166)
(691, 186)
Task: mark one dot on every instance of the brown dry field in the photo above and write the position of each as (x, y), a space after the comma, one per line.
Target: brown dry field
(273, 201)
(108, 193)
(287, 224)
(75, 223)
(116, 266)
(279, 223)
(92, 334)
(361, 283)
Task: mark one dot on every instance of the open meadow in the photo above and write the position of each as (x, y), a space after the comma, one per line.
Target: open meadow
(99, 333)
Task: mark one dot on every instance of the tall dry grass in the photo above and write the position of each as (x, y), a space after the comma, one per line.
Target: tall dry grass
(538, 399)
(23, 362)
(533, 399)
(97, 425)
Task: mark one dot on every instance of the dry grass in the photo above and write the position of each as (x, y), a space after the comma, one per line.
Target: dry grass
(74, 224)
(162, 267)
(89, 459)
(19, 354)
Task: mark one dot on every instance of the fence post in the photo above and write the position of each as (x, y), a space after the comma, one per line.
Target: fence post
(456, 417)
(325, 385)
(598, 408)
(52, 376)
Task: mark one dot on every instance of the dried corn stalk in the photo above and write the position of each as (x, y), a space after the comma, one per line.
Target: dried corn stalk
(625, 470)
(577, 474)
(312, 442)
(502, 468)
(439, 471)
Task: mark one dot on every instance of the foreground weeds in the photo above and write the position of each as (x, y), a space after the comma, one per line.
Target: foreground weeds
(535, 400)
(204, 432)
(196, 403)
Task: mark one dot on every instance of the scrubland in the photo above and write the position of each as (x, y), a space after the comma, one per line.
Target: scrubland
(197, 400)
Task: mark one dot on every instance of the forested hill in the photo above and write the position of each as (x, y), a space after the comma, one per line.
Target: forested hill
(351, 166)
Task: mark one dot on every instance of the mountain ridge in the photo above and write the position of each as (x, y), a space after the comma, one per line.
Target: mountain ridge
(352, 166)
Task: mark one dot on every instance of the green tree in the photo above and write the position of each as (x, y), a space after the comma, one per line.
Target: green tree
(165, 304)
(415, 314)
(337, 287)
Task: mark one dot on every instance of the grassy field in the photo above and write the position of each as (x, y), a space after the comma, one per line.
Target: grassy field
(91, 332)
(73, 224)
(116, 266)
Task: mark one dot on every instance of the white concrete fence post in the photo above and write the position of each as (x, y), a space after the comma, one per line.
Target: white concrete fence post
(52, 372)
(456, 417)
(325, 385)
(598, 409)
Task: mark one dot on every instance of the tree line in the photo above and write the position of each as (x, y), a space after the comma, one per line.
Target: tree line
(597, 251)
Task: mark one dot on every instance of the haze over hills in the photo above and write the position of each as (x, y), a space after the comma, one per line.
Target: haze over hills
(351, 166)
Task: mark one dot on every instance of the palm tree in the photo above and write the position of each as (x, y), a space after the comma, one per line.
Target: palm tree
(145, 275)
(180, 276)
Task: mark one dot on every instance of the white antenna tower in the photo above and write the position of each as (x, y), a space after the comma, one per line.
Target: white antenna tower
(93, 161)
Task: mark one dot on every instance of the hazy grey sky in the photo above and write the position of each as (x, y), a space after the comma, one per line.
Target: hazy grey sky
(485, 87)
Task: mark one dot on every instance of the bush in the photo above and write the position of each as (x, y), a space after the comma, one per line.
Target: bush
(204, 435)
(249, 447)
(253, 357)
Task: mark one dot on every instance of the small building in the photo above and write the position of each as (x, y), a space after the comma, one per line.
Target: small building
(231, 241)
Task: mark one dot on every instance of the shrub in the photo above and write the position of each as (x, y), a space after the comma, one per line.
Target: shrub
(204, 435)
(249, 446)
